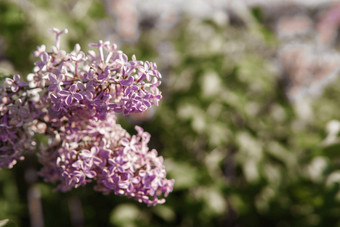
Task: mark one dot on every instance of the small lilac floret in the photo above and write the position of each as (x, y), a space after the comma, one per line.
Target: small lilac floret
(15, 83)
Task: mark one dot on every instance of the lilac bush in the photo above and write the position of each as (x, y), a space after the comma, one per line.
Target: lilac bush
(72, 99)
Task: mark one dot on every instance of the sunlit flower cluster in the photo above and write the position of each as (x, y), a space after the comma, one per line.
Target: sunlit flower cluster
(71, 100)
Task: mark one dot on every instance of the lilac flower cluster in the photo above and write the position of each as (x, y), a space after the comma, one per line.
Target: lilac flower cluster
(71, 99)
(105, 153)
(97, 84)
(14, 109)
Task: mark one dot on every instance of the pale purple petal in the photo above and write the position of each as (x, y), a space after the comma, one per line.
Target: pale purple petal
(127, 82)
(68, 100)
(63, 93)
(14, 87)
(52, 78)
(22, 84)
(78, 96)
(73, 88)
(16, 77)
(52, 87)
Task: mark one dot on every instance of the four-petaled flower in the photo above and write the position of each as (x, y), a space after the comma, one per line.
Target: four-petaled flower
(15, 83)
(56, 82)
(70, 95)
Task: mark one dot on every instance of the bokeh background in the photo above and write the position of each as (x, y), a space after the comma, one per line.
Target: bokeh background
(248, 124)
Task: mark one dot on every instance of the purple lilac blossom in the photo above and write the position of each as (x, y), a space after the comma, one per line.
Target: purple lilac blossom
(108, 81)
(71, 99)
(15, 137)
(104, 153)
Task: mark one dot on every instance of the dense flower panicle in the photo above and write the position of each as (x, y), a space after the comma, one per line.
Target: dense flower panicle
(14, 116)
(107, 82)
(71, 100)
(114, 160)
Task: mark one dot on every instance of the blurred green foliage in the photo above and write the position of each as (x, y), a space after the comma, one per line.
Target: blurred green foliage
(17, 40)
(240, 153)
